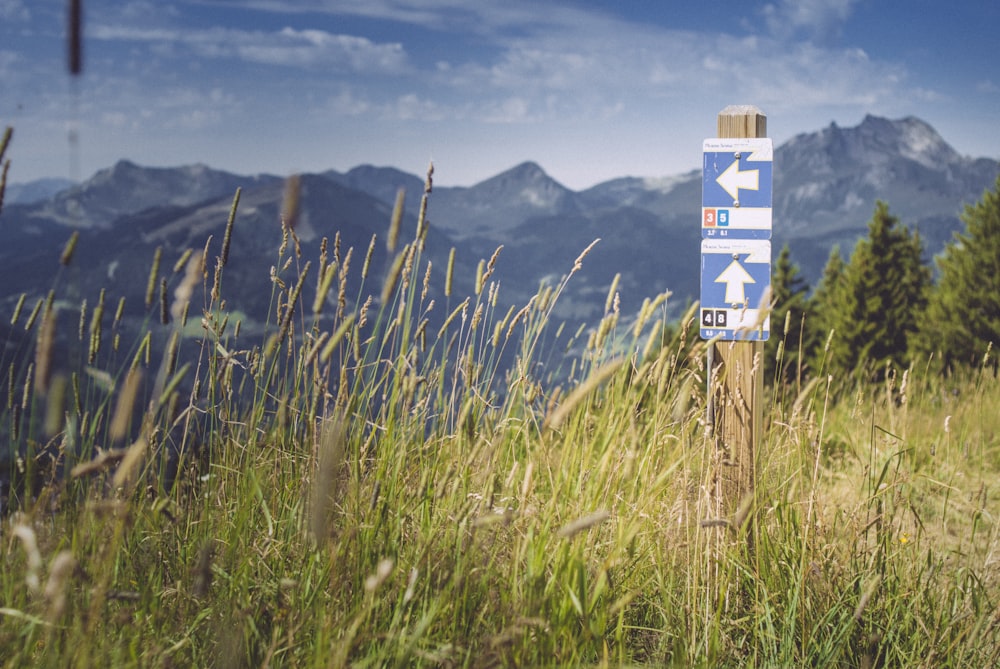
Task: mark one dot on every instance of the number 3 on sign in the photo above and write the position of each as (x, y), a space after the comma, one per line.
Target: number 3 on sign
(715, 217)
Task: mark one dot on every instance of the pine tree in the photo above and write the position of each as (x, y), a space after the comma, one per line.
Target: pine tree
(880, 300)
(963, 314)
(788, 294)
(818, 308)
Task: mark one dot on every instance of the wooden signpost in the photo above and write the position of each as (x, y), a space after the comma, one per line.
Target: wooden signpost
(736, 360)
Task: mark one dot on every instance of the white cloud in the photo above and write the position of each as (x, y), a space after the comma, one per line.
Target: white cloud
(8, 62)
(459, 75)
(510, 110)
(584, 73)
(411, 106)
(14, 10)
(987, 86)
(817, 19)
(471, 16)
(347, 103)
(287, 47)
(146, 10)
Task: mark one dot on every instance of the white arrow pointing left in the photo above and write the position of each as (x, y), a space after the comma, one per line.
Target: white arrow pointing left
(732, 179)
(735, 277)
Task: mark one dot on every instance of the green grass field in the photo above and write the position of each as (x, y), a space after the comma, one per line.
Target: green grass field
(378, 491)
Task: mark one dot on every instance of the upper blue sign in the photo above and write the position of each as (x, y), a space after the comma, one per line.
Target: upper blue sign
(737, 184)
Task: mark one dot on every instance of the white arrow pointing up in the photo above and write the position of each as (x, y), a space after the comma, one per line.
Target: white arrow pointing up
(735, 277)
(732, 180)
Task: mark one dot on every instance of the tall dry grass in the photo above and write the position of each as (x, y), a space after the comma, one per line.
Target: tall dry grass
(372, 484)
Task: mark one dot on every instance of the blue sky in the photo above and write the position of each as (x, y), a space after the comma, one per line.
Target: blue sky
(591, 89)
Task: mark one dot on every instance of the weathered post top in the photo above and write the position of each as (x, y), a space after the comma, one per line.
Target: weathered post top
(739, 121)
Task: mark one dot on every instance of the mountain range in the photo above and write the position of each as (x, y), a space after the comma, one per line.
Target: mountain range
(826, 184)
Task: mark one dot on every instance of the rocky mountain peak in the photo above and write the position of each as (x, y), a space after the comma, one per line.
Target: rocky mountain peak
(526, 182)
(908, 137)
(874, 142)
(127, 188)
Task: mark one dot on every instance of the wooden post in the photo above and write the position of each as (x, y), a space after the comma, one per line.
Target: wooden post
(737, 370)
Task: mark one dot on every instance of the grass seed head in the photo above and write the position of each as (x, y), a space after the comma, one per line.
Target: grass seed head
(67, 254)
(63, 566)
(290, 204)
(154, 270)
(395, 222)
(34, 558)
(583, 524)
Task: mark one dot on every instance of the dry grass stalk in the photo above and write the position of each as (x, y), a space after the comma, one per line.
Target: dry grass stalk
(104, 460)
(119, 312)
(331, 459)
(316, 348)
(17, 309)
(326, 280)
(454, 314)
(164, 309)
(30, 322)
(392, 277)
(578, 263)
(422, 216)
(449, 274)
(342, 283)
(480, 274)
(204, 258)
(142, 355)
(382, 572)
(95, 330)
(74, 37)
(4, 143)
(228, 236)
(55, 406)
(125, 405)
(407, 272)
(8, 134)
(62, 567)
(81, 327)
(290, 203)
(170, 356)
(34, 557)
(602, 374)
(126, 473)
(582, 524)
(336, 337)
(870, 589)
(491, 265)
(501, 325)
(183, 261)
(368, 257)
(185, 289)
(612, 292)
(427, 281)
(363, 313)
(3, 180)
(203, 570)
(43, 351)
(477, 315)
(67, 253)
(519, 315)
(395, 222)
(289, 312)
(324, 264)
(154, 271)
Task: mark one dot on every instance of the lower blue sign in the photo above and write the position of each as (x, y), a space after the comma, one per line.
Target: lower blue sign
(735, 281)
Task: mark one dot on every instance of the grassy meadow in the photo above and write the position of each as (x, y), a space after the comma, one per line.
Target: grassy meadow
(370, 486)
